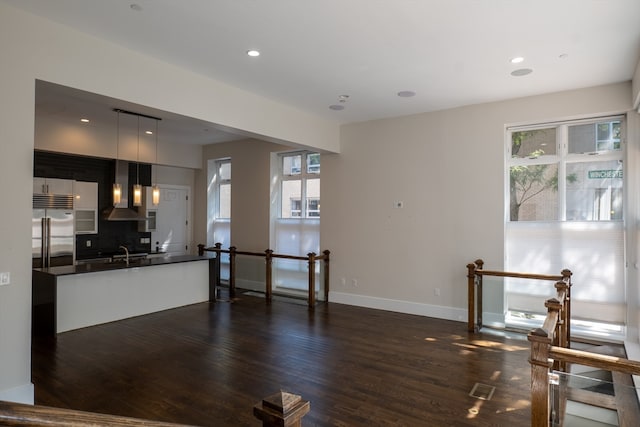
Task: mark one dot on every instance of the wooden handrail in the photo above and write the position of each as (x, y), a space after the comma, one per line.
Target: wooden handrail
(20, 414)
(269, 255)
(279, 409)
(475, 273)
(549, 350)
(600, 361)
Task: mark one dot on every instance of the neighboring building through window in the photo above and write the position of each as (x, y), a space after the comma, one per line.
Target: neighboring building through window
(300, 179)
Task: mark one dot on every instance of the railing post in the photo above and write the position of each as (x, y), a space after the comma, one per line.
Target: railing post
(312, 279)
(562, 331)
(479, 306)
(218, 248)
(566, 277)
(200, 249)
(232, 272)
(471, 296)
(539, 360)
(474, 295)
(554, 306)
(281, 409)
(326, 253)
(268, 274)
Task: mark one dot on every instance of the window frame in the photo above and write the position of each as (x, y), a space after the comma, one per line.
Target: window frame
(563, 158)
(303, 176)
(219, 182)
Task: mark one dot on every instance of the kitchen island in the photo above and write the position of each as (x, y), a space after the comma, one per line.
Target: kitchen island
(76, 296)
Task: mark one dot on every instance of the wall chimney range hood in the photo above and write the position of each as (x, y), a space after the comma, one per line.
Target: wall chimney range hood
(121, 211)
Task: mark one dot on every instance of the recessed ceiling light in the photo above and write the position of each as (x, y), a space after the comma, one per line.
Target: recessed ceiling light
(521, 72)
(336, 107)
(253, 53)
(84, 120)
(563, 56)
(148, 132)
(517, 59)
(406, 93)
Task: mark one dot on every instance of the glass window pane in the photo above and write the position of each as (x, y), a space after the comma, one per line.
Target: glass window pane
(225, 171)
(594, 191)
(313, 163)
(291, 199)
(313, 197)
(533, 143)
(291, 164)
(590, 137)
(533, 193)
(224, 201)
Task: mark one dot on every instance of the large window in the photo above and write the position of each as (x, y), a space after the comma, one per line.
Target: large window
(297, 220)
(219, 208)
(565, 197)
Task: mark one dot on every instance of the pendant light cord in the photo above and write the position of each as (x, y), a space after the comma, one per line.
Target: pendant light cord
(138, 156)
(117, 144)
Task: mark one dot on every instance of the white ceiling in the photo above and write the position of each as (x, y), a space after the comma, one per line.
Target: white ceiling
(450, 52)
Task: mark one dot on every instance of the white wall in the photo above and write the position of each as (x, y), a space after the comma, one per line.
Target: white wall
(447, 168)
(250, 203)
(636, 87)
(33, 48)
(99, 139)
(250, 180)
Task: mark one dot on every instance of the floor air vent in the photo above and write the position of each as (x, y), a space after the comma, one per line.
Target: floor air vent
(482, 391)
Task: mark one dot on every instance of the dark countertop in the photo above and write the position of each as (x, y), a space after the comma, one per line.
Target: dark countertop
(66, 270)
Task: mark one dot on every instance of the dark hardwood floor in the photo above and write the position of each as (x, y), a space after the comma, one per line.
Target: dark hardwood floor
(208, 364)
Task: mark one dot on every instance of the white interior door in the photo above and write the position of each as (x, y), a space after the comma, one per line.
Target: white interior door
(172, 222)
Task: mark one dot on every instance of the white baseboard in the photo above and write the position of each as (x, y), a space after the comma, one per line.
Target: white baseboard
(21, 394)
(251, 285)
(399, 306)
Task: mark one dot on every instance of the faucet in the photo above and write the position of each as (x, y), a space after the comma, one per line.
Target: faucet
(126, 251)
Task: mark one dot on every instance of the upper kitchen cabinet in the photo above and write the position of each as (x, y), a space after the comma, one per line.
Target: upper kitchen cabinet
(85, 195)
(52, 186)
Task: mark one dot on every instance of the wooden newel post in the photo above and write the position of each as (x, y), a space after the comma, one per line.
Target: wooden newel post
(539, 360)
(326, 253)
(281, 409)
(232, 272)
(268, 274)
(312, 279)
(200, 249)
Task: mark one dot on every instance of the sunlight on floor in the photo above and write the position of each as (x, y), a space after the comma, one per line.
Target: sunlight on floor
(501, 346)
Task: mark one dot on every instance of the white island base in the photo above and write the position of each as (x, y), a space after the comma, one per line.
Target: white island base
(105, 296)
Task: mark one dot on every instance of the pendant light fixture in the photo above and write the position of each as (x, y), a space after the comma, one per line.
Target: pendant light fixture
(155, 189)
(117, 188)
(137, 188)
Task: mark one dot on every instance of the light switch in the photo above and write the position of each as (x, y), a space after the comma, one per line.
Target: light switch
(5, 278)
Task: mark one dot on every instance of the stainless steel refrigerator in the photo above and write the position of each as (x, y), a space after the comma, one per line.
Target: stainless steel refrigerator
(53, 230)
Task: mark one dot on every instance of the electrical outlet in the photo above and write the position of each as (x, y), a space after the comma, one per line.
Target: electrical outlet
(343, 281)
(436, 292)
(88, 243)
(5, 278)
(354, 282)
